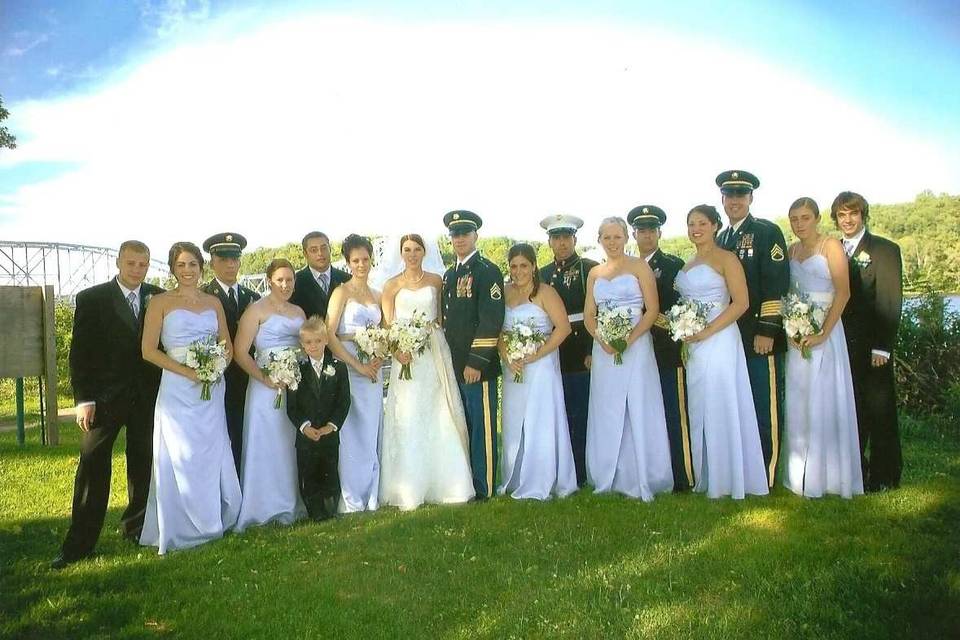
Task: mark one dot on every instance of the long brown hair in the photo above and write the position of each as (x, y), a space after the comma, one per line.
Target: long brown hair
(525, 250)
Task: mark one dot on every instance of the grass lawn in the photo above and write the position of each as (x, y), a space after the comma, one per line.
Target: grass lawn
(881, 566)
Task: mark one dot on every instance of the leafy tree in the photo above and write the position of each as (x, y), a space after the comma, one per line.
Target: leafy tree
(7, 139)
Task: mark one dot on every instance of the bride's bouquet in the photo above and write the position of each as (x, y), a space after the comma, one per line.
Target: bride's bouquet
(687, 318)
(208, 357)
(283, 368)
(372, 341)
(802, 317)
(521, 340)
(614, 324)
(410, 335)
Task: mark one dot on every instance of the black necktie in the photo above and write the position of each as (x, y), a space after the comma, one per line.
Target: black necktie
(231, 296)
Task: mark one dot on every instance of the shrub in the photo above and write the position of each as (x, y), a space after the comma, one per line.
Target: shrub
(928, 358)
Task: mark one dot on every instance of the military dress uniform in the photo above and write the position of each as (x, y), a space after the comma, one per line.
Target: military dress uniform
(235, 301)
(569, 278)
(673, 383)
(760, 246)
(472, 312)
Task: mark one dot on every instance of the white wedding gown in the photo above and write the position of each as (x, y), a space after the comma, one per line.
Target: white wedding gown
(268, 469)
(194, 490)
(822, 442)
(724, 437)
(424, 455)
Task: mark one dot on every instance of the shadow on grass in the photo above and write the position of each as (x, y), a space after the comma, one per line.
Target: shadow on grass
(588, 566)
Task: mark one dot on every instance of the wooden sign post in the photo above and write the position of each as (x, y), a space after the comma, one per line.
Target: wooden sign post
(28, 343)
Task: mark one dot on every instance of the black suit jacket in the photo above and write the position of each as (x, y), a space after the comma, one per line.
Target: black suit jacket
(872, 316)
(319, 399)
(106, 361)
(308, 295)
(665, 269)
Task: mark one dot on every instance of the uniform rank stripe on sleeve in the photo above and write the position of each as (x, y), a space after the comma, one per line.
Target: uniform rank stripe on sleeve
(484, 342)
(771, 308)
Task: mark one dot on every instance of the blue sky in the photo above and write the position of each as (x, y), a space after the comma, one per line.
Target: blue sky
(850, 80)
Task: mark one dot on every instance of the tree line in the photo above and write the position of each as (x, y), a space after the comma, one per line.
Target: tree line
(925, 229)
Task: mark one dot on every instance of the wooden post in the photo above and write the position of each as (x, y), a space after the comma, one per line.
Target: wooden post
(50, 363)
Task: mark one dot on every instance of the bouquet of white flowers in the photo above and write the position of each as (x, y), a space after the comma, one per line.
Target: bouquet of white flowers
(283, 368)
(686, 318)
(614, 324)
(410, 335)
(208, 357)
(522, 339)
(372, 342)
(802, 317)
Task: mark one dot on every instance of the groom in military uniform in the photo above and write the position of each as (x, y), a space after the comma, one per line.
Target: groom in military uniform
(568, 275)
(646, 221)
(224, 250)
(762, 251)
(472, 313)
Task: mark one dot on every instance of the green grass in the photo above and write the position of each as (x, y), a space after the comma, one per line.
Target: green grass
(881, 566)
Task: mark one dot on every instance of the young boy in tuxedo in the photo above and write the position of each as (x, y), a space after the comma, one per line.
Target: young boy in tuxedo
(317, 408)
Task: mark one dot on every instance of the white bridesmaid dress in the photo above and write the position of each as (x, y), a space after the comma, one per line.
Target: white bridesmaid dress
(424, 453)
(268, 468)
(194, 490)
(360, 432)
(822, 440)
(725, 438)
(537, 459)
(627, 447)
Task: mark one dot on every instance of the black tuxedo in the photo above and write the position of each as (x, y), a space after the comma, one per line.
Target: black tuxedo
(870, 321)
(235, 378)
(107, 368)
(309, 296)
(319, 400)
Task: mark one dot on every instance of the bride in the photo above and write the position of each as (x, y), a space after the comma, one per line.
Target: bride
(424, 455)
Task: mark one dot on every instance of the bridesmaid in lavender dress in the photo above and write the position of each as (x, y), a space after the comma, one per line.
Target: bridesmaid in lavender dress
(354, 305)
(194, 490)
(627, 446)
(725, 439)
(536, 451)
(822, 450)
(268, 468)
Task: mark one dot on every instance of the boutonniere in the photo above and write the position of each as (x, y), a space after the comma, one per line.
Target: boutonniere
(146, 299)
(329, 371)
(863, 259)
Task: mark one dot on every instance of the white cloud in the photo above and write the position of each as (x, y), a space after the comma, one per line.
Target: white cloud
(347, 124)
(24, 41)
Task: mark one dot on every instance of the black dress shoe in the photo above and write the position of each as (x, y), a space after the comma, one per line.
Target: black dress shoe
(63, 561)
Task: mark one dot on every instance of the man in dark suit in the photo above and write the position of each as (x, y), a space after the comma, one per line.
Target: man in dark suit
(472, 318)
(317, 408)
(113, 386)
(568, 275)
(646, 221)
(762, 251)
(870, 321)
(224, 250)
(315, 282)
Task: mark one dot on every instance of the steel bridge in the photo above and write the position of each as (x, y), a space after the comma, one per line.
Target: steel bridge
(71, 268)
